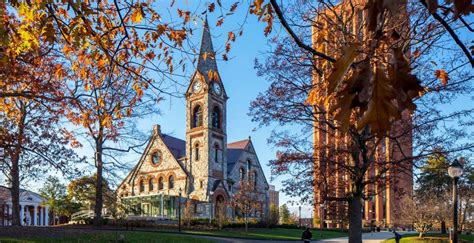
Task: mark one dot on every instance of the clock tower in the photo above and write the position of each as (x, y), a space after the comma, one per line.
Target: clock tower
(206, 137)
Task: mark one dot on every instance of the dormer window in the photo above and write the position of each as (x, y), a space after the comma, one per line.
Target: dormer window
(197, 117)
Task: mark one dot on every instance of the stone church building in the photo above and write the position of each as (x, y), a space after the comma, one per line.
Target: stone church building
(203, 170)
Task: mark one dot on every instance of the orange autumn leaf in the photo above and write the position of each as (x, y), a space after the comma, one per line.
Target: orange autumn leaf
(137, 15)
(381, 110)
(341, 66)
(443, 76)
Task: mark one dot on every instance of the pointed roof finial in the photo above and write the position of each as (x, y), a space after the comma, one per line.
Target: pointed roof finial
(207, 55)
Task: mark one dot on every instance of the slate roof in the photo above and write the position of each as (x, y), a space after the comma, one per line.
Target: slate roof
(178, 149)
(209, 63)
(234, 151)
(175, 145)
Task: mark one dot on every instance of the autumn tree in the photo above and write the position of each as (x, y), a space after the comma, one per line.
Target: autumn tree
(30, 102)
(434, 182)
(368, 77)
(246, 201)
(273, 216)
(34, 145)
(82, 191)
(55, 194)
(420, 212)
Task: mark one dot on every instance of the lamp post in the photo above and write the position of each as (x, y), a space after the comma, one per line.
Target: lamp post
(321, 218)
(455, 170)
(210, 209)
(179, 210)
(300, 215)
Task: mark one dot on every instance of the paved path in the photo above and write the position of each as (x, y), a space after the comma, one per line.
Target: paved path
(374, 237)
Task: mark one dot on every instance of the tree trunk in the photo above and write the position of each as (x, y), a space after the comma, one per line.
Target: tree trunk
(443, 227)
(98, 186)
(15, 191)
(15, 171)
(246, 224)
(355, 220)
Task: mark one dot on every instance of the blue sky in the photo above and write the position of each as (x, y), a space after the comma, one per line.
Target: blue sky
(240, 81)
(242, 86)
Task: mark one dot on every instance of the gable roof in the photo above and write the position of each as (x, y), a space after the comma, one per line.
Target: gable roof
(176, 146)
(234, 151)
(5, 194)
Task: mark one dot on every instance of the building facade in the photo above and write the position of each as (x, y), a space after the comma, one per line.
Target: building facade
(33, 212)
(382, 203)
(274, 196)
(202, 171)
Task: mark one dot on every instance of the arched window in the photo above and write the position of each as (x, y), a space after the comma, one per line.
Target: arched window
(150, 185)
(160, 183)
(255, 179)
(196, 152)
(142, 186)
(197, 116)
(249, 165)
(216, 118)
(216, 153)
(171, 182)
(242, 174)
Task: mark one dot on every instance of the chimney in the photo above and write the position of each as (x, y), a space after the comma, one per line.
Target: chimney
(156, 129)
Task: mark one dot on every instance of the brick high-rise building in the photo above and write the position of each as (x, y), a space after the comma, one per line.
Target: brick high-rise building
(332, 30)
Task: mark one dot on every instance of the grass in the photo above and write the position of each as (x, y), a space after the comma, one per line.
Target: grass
(113, 237)
(273, 234)
(430, 238)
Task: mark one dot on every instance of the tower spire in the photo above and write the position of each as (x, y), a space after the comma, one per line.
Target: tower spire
(207, 55)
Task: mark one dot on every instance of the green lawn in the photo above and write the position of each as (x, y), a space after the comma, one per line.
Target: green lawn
(276, 233)
(113, 237)
(431, 238)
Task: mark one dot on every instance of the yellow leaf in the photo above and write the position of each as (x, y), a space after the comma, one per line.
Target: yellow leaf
(101, 102)
(137, 15)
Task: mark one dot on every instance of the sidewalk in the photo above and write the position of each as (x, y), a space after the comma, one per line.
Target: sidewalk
(372, 237)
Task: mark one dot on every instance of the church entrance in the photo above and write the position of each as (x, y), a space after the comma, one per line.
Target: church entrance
(220, 206)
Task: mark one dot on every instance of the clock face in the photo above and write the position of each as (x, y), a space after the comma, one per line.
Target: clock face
(197, 86)
(217, 88)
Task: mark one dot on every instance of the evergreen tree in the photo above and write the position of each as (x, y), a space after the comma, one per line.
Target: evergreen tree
(284, 214)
